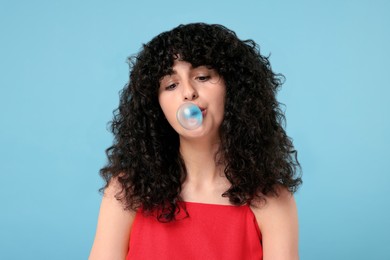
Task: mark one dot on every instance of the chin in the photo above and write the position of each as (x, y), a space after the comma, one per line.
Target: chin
(198, 134)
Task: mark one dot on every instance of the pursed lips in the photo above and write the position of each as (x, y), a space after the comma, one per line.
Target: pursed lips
(203, 110)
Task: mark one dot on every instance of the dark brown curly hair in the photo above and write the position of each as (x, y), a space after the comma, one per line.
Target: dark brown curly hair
(145, 157)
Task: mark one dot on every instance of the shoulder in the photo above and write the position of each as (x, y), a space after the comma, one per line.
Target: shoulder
(113, 227)
(277, 218)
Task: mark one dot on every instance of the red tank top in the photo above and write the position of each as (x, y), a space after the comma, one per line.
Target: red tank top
(210, 232)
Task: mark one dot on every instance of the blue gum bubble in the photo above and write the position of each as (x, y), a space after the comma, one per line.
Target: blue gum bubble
(189, 116)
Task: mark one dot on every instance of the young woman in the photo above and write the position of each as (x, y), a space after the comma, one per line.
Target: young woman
(220, 191)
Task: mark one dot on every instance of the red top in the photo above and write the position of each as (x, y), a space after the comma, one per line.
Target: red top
(211, 232)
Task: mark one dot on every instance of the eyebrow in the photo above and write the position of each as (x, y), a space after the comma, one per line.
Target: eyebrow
(172, 72)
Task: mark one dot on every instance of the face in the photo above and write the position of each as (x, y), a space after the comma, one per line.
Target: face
(201, 86)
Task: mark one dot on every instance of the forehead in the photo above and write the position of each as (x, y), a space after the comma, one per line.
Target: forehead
(180, 66)
(184, 65)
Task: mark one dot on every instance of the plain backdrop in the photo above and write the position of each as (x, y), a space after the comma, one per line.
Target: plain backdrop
(62, 64)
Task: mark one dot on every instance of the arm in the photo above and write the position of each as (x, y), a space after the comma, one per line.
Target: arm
(113, 227)
(278, 222)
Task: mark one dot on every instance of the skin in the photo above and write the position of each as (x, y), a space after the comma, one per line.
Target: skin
(205, 182)
(201, 86)
(278, 222)
(113, 228)
(205, 88)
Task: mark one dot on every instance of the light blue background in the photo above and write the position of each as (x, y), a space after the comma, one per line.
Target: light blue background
(62, 64)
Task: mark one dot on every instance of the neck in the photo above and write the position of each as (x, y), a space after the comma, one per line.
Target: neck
(200, 159)
(205, 181)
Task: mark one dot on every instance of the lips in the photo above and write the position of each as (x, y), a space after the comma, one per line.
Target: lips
(203, 110)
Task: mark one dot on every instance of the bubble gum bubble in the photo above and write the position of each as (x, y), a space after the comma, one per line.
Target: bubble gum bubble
(189, 116)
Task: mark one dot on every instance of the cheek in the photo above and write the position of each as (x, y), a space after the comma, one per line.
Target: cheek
(169, 110)
(221, 96)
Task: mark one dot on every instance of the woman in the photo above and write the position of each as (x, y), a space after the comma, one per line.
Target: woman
(220, 191)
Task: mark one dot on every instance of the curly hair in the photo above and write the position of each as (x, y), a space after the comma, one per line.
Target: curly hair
(145, 159)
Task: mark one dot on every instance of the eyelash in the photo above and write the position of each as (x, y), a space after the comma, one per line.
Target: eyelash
(203, 78)
(200, 78)
(171, 87)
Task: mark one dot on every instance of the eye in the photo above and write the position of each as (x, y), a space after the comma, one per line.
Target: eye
(171, 87)
(203, 78)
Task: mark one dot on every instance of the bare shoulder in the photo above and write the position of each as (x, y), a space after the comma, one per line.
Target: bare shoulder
(113, 227)
(277, 218)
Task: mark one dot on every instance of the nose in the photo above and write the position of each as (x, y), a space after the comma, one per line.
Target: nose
(189, 92)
